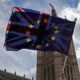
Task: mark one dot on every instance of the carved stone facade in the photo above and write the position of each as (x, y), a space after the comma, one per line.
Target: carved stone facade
(49, 65)
(8, 76)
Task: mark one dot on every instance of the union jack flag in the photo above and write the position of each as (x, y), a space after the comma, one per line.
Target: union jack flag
(30, 29)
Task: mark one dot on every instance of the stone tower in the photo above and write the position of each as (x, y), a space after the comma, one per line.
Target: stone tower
(49, 64)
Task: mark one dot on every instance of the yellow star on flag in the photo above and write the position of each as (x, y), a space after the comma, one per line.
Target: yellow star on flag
(31, 26)
(28, 39)
(47, 45)
(53, 38)
(38, 21)
(56, 31)
(38, 46)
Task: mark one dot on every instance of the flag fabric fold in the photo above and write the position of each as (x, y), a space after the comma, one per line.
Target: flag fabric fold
(30, 29)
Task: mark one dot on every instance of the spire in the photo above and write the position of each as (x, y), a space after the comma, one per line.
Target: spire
(32, 78)
(24, 75)
(5, 70)
(53, 12)
(15, 72)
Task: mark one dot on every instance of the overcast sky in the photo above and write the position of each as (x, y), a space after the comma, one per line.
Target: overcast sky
(24, 61)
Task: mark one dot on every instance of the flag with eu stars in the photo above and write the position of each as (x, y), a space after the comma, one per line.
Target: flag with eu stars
(30, 29)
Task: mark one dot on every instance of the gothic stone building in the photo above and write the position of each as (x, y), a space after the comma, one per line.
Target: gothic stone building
(49, 65)
(8, 76)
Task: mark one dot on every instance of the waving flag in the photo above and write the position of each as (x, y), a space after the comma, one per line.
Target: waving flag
(30, 29)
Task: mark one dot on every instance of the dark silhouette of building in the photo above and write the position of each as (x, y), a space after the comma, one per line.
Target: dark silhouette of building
(49, 64)
(8, 76)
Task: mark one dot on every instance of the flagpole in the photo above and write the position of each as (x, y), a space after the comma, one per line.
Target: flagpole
(63, 67)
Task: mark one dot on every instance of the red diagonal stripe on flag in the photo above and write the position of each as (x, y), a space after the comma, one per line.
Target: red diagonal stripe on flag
(8, 26)
(19, 9)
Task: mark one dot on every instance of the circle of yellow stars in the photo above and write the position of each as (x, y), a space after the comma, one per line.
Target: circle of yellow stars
(52, 38)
